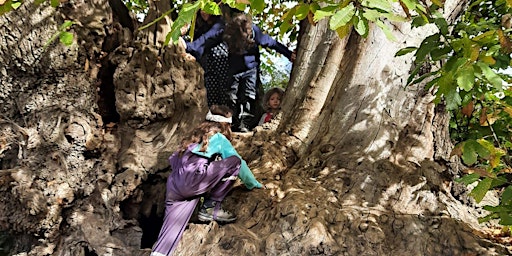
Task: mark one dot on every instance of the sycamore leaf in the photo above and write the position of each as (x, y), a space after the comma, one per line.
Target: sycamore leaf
(481, 189)
(466, 78)
(491, 76)
(471, 150)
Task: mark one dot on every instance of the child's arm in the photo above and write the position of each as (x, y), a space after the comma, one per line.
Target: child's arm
(208, 39)
(269, 42)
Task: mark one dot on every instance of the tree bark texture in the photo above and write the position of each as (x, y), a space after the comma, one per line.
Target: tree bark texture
(359, 163)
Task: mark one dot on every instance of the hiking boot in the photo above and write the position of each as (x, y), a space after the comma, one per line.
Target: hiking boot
(215, 213)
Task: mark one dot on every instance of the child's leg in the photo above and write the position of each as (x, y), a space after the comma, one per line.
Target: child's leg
(230, 167)
(211, 209)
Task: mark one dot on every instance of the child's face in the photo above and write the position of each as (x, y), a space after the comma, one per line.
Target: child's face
(274, 101)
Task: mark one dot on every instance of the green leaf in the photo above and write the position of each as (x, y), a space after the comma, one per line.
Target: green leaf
(405, 51)
(361, 25)
(411, 5)
(499, 181)
(66, 38)
(484, 148)
(481, 189)
(488, 218)
(505, 218)
(419, 21)
(469, 154)
(378, 4)
(257, 5)
(440, 53)
(342, 17)
(386, 30)
(466, 78)
(6, 7)
(324, 12)
(55, 3)
(302, 11)
(469, 179)
(16, 5)
(430, 43)
(371, 15)
(506, 197)
(213, 8)
(66, 25)
(442, 25)
(491, 76)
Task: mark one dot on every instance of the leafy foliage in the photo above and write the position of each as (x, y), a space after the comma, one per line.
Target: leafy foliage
(471, 53)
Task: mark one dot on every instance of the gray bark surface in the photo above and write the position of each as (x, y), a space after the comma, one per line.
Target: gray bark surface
(355, 164)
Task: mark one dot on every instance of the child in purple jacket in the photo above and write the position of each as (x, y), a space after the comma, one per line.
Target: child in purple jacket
(197, 171)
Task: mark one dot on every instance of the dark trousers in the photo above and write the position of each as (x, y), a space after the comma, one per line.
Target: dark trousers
(245, 100)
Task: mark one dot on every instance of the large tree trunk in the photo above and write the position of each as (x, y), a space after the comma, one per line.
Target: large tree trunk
(359, 164)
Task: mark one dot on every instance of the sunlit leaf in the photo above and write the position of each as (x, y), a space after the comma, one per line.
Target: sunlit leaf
(387, 31)
(491, 76)
(411, 5)
(66, 25)
(378, 4)
(371, 15)
(342, 17)
(213, 8)
(324, 12)
(481, 189)
(66, 38)
(361, 25)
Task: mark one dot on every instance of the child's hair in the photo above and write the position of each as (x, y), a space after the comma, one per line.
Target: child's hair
(208, 128)
(269, 94)
(238, 33)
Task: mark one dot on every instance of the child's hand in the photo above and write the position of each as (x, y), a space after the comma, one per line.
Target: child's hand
(294, 55)
(188, 57)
